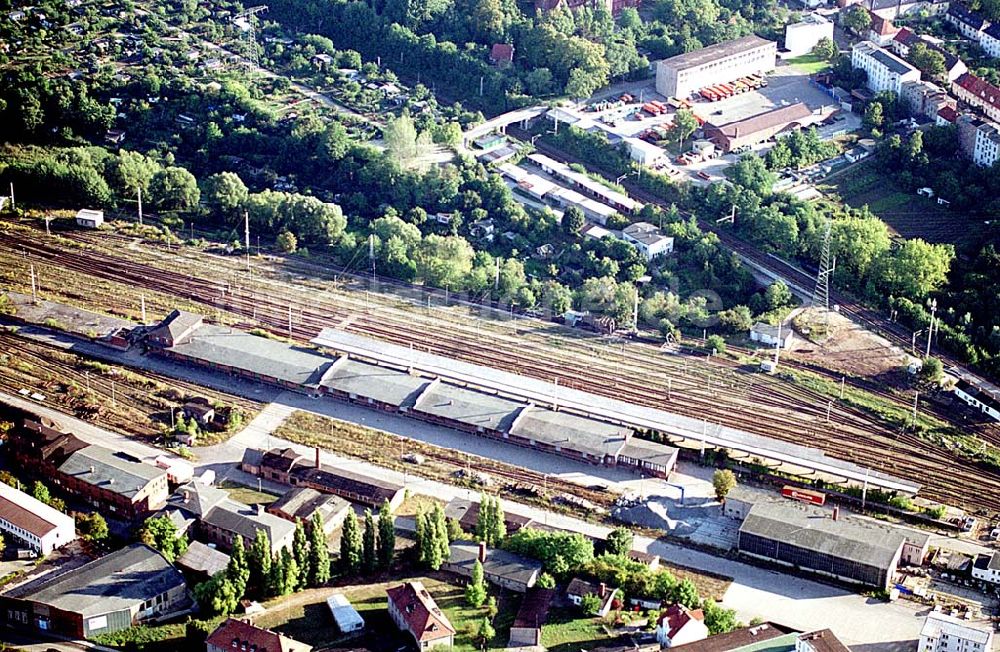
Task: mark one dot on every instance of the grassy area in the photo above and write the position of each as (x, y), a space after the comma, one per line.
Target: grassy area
(306, 618)
(810, 63)
(566, 631)
(247, 495)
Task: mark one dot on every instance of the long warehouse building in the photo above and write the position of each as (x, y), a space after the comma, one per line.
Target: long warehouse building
(684, 74)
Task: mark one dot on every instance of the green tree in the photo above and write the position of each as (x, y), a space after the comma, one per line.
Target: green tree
(932, 369)
(751, 173)
(874, 117)
(130, 171)
(546, 581)
(368, 556)
(259, 562)
(335, 142)
(485, 633)
(319, 553)
(929, 60)
(226, 193)
(582, 83)
(685, 124)
(286, 242)
(490, 526)
(386, 536)
(737, 319)
(175, 188)
(686, 593)
(573, 220)
(401, 139)
(777, 295)
(475, 590)
(719, 620)
(723, 481)
(40, 492)
(826, 49)
(92, 526)
(350, 544)
(590, 604)
(715, 343)
(300, 548)
(161, 533)
(289, 573)
(620, 541)
(217, 596)
(856, 19)
(238, 568)
(915, 268)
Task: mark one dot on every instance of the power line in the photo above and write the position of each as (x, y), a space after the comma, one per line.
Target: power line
(247, 22)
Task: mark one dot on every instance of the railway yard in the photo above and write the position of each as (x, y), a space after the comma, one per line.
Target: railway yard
(278, 298)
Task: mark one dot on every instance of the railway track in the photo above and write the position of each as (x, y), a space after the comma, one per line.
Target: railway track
(718, 394)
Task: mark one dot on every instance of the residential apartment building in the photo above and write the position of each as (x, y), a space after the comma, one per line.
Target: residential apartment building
(987, 568)
(113, 482)
(979, 94)
(886, 71)
(970, 23)
(684, 74)
(990, 42)
(904, 41)
(39, 526)
(414, 611)
(925, 99)
(943, 633)
(987, 148)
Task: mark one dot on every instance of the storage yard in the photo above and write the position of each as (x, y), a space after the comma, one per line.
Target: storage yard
(718, 393)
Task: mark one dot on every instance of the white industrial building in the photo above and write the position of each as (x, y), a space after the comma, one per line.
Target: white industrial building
(886, 71)
(987, 568)
(684, 74)
(39, 526)
(644, 153)
(89, 218)
(943, 633)
(648, 239)
(987, 148)
(802, 37)
(772, 335)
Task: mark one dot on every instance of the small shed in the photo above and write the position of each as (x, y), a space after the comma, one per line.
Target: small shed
(203, 413)
(772, 335)
(89, 218)
(347, 617)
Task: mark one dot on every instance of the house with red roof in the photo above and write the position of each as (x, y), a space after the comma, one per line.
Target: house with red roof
(946, 116)
(502, 54)
(679, 625)
(882, 30)
(414, 611)
(237, 636)
(979, 94)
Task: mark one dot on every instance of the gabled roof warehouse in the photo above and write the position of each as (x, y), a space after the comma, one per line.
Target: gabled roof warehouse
(105, 468)
(250, 355)
(847, 548)
(106, 595)
(569, 432)
(476, 409)
(379, 384)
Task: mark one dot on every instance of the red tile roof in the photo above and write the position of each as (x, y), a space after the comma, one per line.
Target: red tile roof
(882, 26)
(949, 114)
(239, 636)
(982, 89)
(502, 53)
(905, 36)
(677, 616)
(424, 618)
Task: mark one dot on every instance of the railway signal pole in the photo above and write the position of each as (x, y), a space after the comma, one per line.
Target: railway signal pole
(139, 199)
(930, 329)
(34, 289)
(246, 236)
(12, 205)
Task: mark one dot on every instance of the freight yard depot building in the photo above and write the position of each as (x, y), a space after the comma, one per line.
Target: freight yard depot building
(684, 74)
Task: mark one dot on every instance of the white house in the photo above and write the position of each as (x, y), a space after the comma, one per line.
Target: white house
(991, 41)
(970, 23)
(347, 617)
(679, 625)
(987, 148)
(644, 153)
(578, 589)
(648, 239)
(942, 633)
(39, 526)
(886, 71)
(802, 37)
(987, 568)
(89, 218)
(768, 334)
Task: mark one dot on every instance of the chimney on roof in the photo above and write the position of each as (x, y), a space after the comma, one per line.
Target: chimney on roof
(836, 512)
(482, 552)
(91, 469)
(317, 457)
(260, 509)
(602, 590)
